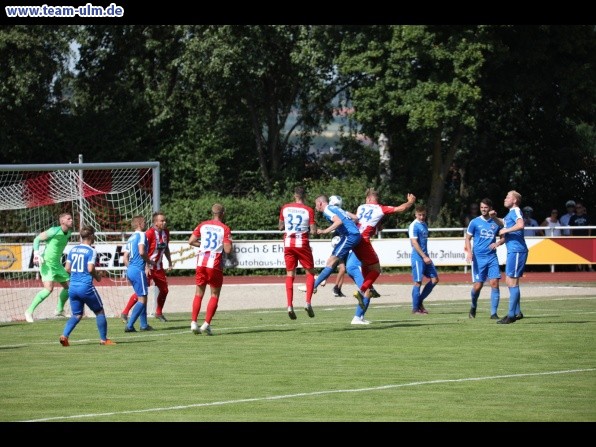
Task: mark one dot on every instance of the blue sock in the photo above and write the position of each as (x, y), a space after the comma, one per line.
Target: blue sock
(359, 311)
(513, 300)
(474, 296)
(416, 298)
(137, 310)
(495, 297)
(426, 291)
(143, 318)
(102, 326)
(70, 325)
(323, 276)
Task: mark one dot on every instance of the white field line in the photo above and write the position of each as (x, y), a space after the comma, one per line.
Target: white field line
(314, 393)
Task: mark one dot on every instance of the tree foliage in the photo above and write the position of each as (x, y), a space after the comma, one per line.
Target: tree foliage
(33, 67)
(421, 82)
(235, 110)
(479, 97)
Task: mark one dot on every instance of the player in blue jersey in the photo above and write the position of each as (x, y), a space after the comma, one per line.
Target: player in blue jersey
(137, 262)
(517, 253)
(344, 225)
(483, 231)
(80, 263)
(422, 264)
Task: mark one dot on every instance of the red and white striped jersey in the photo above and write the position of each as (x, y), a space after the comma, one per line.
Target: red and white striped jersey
(212, 234)
(369, 217)
(157, 241)
(297, 219)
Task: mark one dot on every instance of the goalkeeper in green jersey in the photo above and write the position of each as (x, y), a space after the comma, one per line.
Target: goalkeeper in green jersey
(50, 264)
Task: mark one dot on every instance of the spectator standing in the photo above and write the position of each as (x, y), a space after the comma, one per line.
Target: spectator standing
(422, 264)
(517, 253)
(581, 219)
(137, 262)
(552, 221)
(50, 264)
(158, 238)
(80, 263)
(213, 238)
(483, 231)
(529, 221)
(570, 207)
(297, 220)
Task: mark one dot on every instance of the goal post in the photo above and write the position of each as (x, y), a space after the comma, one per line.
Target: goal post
(105, 196)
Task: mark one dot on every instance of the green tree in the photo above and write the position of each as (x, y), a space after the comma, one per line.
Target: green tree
(421, 81)
(273, 72)
(120, 95)
(539, 99)
(513, 106)
(33, 67)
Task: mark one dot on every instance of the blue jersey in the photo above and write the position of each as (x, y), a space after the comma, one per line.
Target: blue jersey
(80, 256)
(484, 233)
(419, 230)
(348, 227)
(132, 247)
(515, 240)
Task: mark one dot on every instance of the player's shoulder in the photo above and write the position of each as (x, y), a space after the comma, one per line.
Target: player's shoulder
(53, 230)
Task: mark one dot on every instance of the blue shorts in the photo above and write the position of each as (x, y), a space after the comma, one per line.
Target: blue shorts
(516, 262)
(420, 269)
(138, 280)
(485, 267)
(79, 295)
(345, 245)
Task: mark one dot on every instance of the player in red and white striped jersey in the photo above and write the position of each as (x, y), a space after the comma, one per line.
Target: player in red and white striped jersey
(213, 238)
(370, 215)
(297, 220)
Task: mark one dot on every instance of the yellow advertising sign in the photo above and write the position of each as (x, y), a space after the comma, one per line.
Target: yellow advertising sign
(10, 258)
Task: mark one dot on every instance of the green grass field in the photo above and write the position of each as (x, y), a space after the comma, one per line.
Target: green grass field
(260, 366)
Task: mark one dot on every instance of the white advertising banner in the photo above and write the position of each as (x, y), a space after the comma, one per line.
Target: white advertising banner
(267, 254)
(392, 253)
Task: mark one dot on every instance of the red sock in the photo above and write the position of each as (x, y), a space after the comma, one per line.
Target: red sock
(370, 278)
(290, 290)
(131, 302)
(211, 308)
(196, 307)
(310, 285)
(161, 300)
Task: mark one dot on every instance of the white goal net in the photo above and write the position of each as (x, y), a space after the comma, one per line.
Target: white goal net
(104, 195)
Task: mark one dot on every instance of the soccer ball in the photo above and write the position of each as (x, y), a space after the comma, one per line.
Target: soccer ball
(335, 200)
(335, 241)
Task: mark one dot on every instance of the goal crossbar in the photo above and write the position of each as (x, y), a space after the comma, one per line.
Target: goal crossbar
(154, 165)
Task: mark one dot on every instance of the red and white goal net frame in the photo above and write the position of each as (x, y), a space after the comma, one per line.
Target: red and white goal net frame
(104, 195)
